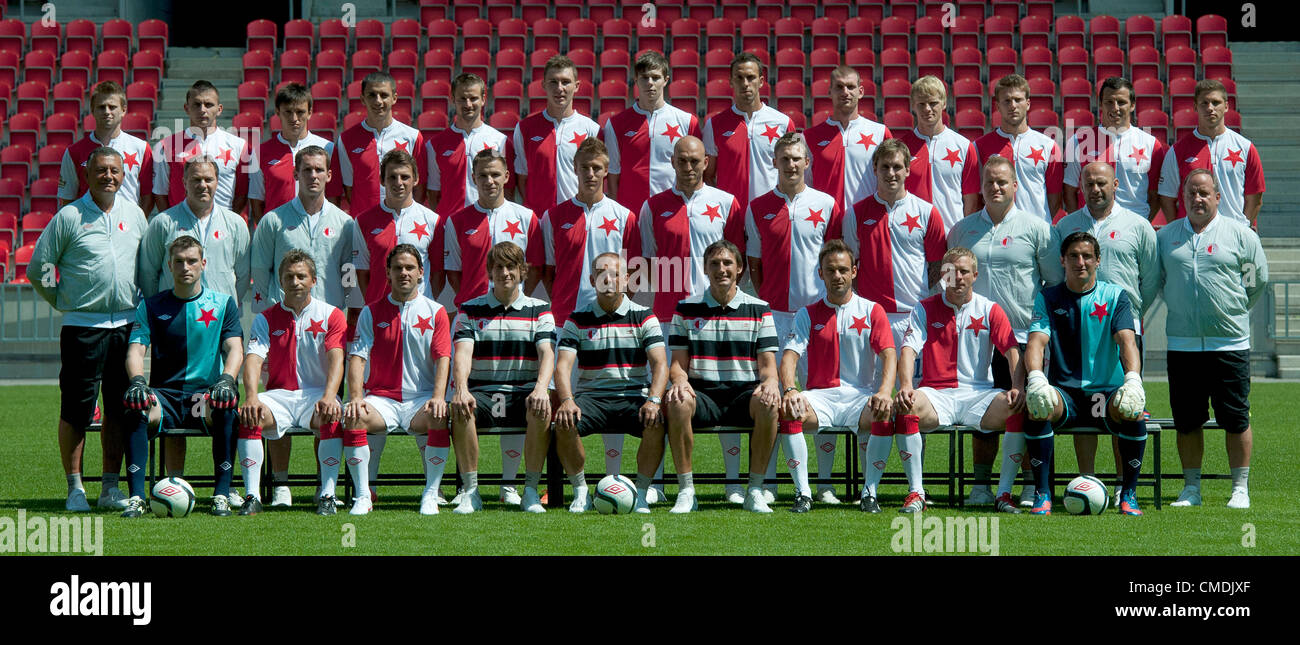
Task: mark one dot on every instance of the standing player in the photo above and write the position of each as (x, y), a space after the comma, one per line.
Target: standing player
(546, 143)
(615, 347)
(1019, 254)
(1134, 154)
(92, 243)
(1035, 157)
(108, 106)
(955, 333)
(506, 358)
(723, 373)
(842, 335)
(841, 162)
(451, 152)
(202, 139)
(300, 341)
(743, 138)
(397, 379)
(1089, 325)
(360, 149)
(274, 181)
(945, 166)
(197, 346)
(1231, 157)
(1215, 268)
(641, 138)
(398, 219)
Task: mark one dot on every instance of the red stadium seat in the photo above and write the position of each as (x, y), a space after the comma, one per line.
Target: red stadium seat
(371, 35)
(929, 33)
(1184, 122)
(326, 96)
(443, 34)
(873, 10)
(74, 67)
(1156, 122)
(257, 67)
(1043, 90)
(897, 94)
(822, 61)
(967, 64)
(404, 65)
(685, 94)
(353, 93)
(1217, 63)
(719, 95)
(1182, 92)
(405, 99)
(1231, 86)
(770, 10)
(404, 34)
(1150, 94)
(1073, 62)
(81, 37)
(602, 10)
(790, 65)
(717, 64)
(566, 10)
(438, 65)
(931, 61)
(999, 32)
(335, 36)
(31, 99)
(1144, 63)
(684, 64)
(547, 34)
(147, 66)
(24, 129)
(584, 99)
(1009, 9)
(701, 10)
(9, 233)
(1042, 118)
(62, 129)
(537, 62)
(1175, 31)
(8, 75)
(1038, 62)
(137, 125)
(968, 94)
(45, 200)
(867, 106)
(652, 36)
(1070, 32)
(1104, 32)
(261, 35)
(39, 66)
(895, 33)
(825, 33)
(536, 96)
(533, 10)
(11, 196)
(511, 64)
(1211, 31)
(332, 65)
(971, 124)
(476, 33)
(583, 34)
(252, 97)
(4, 259)
(1035, 32)
(49, 161)
(117, 35)
(353, 118)
(1232, 119)
(616, 64)
(508, 96)
(498, 10)
(366, 61)
(1108, 61)
(1040, 8)
(430, 123)
(435, 96)
(685, 33)
(787, 34)
(22, 257)
(821, 95)
(965, 32)
(13, 36)
(152, 36)
(612, 95)
(324, 123)
(1180, 62)
(617, 34)
(1139, 31)
(806, 10)
(300, 34)
(895, 63)
(16, 163)
(46, 37)
(863, 60)
(585, 61)
(248, 121)
(1076, 94)
(790, 96)
(1075, 119)
(754, 33)
(1001, 62)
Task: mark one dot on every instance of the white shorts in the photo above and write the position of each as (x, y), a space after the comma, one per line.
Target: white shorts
(960, 405)
(397, 415)
(290, 409)
(838, 406)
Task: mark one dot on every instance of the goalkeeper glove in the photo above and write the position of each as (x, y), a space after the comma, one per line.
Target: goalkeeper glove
(223, 394)
(1130, 398)
(1042, 396)
(138, 396)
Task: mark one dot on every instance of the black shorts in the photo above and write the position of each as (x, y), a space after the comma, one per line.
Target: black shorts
(727, 406)
(1086, 410)
(1002, 370)
(1200, 379)
(181, 410)
(501, 409)
(609, 414)
(90, 356)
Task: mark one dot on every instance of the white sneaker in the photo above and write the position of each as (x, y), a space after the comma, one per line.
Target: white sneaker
(654, 495)
(429, 502)
(455, 501)
(532, 502)
(686, 502)
(642, 505)
(509, 496)
(77, 501)
(280, 496)
(1240, 498)
(469, 503)
(769, 495)
(1189, 497)
(234, 499)
(735, 494)
(362, 506)
(756, 502)
(1027, 494)
(112, 498)
(581, 501)
(980, 496)
(826, 496)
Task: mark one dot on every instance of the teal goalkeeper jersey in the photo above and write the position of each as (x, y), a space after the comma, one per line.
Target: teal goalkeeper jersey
(1081, 327)
(186, 337)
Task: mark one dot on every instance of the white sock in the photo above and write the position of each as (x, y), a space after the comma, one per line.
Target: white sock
(909, 451)
(770, 475)
(330, 450)
(433, 471)
(469, 481)
(376, 443)
(1013, 454)
(1240, 477)
(579, 481)
(877, 458)
(796, 451)
(613, 453)
(360, 470)
(686, 481)
(512, 450)
(825, 459)
(250, 462)
(730, 455)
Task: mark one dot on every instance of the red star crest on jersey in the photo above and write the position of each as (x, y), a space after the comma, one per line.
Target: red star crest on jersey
(419, 230)
(912, 222)
(578, 138)
(423, 324)
(227, 155)
(513, 229)
(257, 297)
(815, 217)
(673, 133)
(1035, 155)
(130, 161)
(859, 325)
(770, 132)
(713, 211)
(610, 226)
(977, 324)
(867, 140)
(1234, 156)
(315, 328)
(1140, 154)
(1099, 311)
(401, 145)
(206, 317)
(953, 157)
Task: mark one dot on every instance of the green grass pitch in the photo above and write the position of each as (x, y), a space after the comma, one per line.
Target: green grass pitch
(31, 479)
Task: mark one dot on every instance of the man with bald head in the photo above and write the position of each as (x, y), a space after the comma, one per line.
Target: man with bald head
(1128, 259)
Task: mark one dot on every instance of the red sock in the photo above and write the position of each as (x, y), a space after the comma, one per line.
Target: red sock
(440, 438)
(1016, 423)
(907, 424)
(789, 427)
(354, 438)
(250, 432)
(330, 431)
(882, 428)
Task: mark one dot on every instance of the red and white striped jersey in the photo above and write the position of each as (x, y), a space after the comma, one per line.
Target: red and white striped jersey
(640, 148)
(1038, 163)
(841, 158)
(1231, 157)
(227, 149)
(743, 145)
(450, 155)
(956, 344)
(295, 346)
(402, 342)
(137, 166)
(274, 181)
(951, 171)
(675, 230)
(841, 342)
(786, 234)
(572, 230)
(1136, 156)
(468, 235)
(544, 150)
(896, 240)
(382, 229)
(358, 151)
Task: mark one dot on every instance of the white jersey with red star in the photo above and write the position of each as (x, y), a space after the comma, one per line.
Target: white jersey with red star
(295, 346)
(841, 158)
(451, 163)
(574, 231)
(274, 180)
(1038, 163)
(897, 240)
(743, 145)
(1135, 155)
(951, 171)
(358, 151)
(675, 230)
(1231, 157)
(786, 234)
(138, 166)
(640, 145)
(402, 342)
(228, 150)
(469, 234)
(544, 150)
(956, 344)
(382, 229)
(841, 342)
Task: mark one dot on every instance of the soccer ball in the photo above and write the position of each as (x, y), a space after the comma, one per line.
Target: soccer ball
(1086, 495)
(171, 497)
(615, 495)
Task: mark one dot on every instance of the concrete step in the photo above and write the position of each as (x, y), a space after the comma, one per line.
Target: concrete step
(33, 10)
(325, 9)
(1277, 131)
(1263, 47)
(1284, 156)
(1272, 99)
(1273, 69)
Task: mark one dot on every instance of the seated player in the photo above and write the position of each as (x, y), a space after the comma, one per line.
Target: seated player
(399, 361)
(506, 343)
(842, 334)
(723, 373)
(955, 333)
(614, 343)
(197, 345)
(1089, 325)
(300, 340)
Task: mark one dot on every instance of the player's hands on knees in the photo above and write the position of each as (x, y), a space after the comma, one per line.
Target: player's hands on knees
(1041, 397)
(880, 405)
(355, 411)
(250, 413)
(539, 403)
(680, 393)
(794, 405)
(462, 405)
(905, 400)
(1131, 398)
(769, 394)
(436, 408)
(224, 394)
(138, 396)
(649, 415)
(568, 415)
(1015, 400)
(328, 409)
